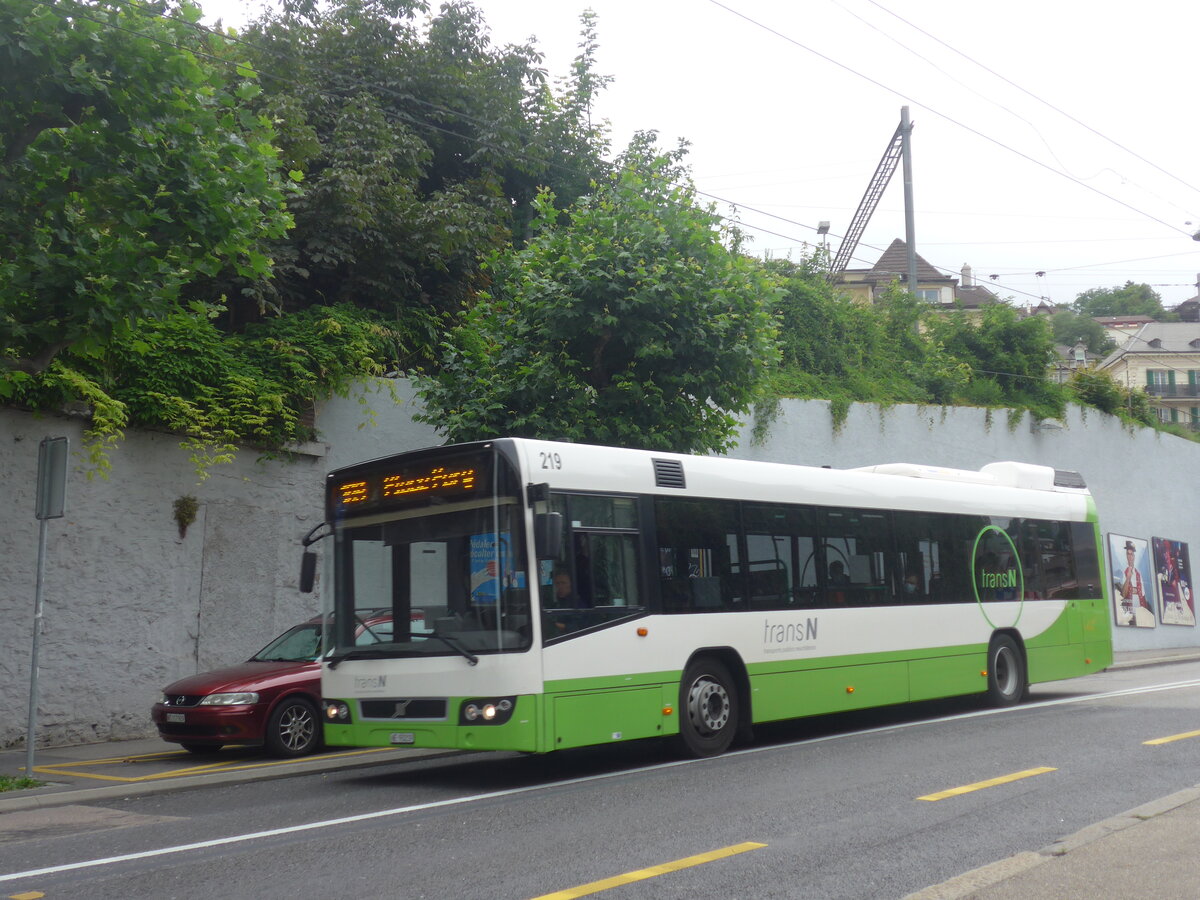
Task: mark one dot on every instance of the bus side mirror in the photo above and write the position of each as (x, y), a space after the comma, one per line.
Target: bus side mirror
(547, 534)
(308, 571)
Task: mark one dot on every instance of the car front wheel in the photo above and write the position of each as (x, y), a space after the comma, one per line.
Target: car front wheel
(293, 729)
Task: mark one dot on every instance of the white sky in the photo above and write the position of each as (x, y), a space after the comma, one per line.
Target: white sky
(793, 121)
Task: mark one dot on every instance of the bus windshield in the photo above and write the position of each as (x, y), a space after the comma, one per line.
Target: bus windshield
(442, 579)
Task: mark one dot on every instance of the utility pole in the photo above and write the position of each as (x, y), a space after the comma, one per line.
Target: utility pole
(910, 229)
(899, 148)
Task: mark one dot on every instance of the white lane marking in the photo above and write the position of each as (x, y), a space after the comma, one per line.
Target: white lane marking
(492, 795)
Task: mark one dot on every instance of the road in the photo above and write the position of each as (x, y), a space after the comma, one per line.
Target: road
(872, 805)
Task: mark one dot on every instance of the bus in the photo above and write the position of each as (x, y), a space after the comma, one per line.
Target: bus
(547, 595)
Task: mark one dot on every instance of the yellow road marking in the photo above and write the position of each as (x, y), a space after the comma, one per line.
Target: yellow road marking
(71, 769)
(642, 874)
(991, 782)
(1174, 737)
(28, 895)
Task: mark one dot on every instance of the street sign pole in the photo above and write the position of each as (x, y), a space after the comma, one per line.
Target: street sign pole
(51, 497)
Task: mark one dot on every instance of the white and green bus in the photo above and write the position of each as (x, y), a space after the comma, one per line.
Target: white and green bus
(526, 595)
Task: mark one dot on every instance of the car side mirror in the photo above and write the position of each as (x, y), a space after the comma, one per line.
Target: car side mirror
(308, 571)
(547, 534)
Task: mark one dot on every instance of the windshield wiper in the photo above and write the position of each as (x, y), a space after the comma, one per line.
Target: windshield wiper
(367, 653)
(454, 645)
(333, 659)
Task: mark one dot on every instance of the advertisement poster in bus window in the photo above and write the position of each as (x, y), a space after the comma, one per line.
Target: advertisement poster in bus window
(1173, 580)
(1133, 590)
(490, 568)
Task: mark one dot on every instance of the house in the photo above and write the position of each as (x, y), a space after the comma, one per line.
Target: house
(1124, 324)
(1068, 360)
(1164, 359)
(1189, 310)
(867, 285)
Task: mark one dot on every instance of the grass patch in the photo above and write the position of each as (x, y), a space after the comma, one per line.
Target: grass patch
(18, 783)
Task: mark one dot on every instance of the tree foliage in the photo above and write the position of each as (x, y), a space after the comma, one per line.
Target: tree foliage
(1099, 390)
(421, 145)
(631, 319)
(1069, 327)
(218, 390)
(129, 167)
(1008, 357)
(1128, 300)
(837, 349)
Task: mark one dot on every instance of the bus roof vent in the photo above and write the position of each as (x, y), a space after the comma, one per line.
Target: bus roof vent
(669, 473)
(1063, 478)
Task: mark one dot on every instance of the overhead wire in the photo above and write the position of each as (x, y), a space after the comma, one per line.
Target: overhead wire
(785, 37)
(1041, 100)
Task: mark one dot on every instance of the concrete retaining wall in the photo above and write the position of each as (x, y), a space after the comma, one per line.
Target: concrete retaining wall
(130, 604)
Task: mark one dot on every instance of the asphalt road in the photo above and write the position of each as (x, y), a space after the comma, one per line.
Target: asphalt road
(873, 805)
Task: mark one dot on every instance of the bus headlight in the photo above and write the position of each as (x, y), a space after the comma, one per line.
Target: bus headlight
(337, 712)
(486, 711)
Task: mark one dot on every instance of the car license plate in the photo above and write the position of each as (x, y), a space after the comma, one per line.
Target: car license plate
(403, 737)
(177, 718)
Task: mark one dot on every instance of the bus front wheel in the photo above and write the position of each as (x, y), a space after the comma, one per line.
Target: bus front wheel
(708, 708)
(1006, 672)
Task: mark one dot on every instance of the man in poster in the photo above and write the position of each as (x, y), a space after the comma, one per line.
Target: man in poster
(1132, 588)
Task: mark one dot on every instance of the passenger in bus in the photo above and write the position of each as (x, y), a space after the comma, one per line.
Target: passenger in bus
(564, 592)
(838, 582)
(912, 585)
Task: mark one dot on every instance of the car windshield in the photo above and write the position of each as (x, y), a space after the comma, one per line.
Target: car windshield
(299, 644)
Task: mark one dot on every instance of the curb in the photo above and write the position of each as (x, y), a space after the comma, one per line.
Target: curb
(52, 794)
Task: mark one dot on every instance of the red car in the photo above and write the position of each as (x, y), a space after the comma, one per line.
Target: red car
(271, 700)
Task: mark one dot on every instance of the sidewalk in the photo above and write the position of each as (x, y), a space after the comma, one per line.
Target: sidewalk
(1109, 859)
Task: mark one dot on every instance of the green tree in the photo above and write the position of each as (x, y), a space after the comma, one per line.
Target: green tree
(421, 145)
(1069, 327)
(129, 167)
(1128, 300)
(631, 319)
(840, 350)
(1091, 387)
(1008, 357)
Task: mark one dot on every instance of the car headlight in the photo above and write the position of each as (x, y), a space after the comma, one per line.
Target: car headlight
(245, 698)
(165, 699)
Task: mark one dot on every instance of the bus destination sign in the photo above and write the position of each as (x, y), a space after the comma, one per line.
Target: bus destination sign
(392, 488)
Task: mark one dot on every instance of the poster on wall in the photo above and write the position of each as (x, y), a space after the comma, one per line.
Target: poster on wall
(1133, 589)
(1173, 580)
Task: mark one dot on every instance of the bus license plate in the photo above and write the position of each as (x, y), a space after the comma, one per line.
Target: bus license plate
(403, 737)
(176, 718)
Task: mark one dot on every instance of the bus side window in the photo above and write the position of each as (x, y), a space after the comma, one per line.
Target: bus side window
(596, 576)
(699, 541)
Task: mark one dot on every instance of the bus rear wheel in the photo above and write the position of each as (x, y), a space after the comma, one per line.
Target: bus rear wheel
(1006, 672)
(708, 708)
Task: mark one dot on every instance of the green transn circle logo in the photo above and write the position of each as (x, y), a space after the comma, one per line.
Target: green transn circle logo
(997, 573)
